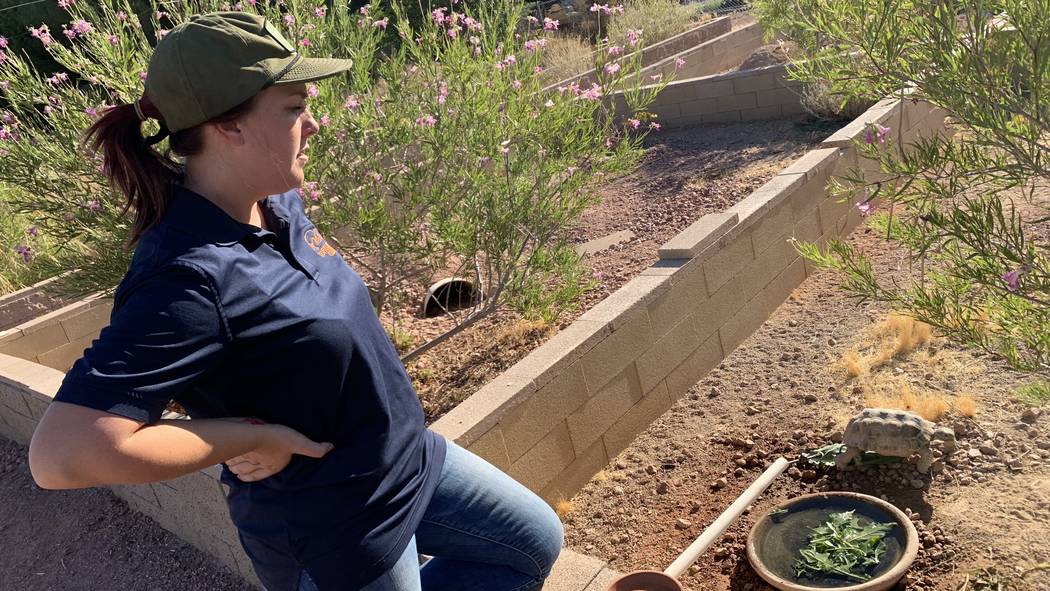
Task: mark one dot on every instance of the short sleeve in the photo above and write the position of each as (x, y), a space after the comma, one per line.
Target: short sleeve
(165, 331)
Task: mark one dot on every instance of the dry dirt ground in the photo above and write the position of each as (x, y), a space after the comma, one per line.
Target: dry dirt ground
(785, 390)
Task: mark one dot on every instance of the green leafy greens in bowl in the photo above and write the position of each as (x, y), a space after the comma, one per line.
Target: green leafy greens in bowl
(844, 547)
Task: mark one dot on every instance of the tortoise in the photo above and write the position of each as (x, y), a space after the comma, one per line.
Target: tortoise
(891, 432)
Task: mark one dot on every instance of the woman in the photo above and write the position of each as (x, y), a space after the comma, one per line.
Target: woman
(237, 308)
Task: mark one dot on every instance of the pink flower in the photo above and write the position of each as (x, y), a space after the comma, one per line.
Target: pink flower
(320, 11)
(305, 42)
(252, 2)
(616, 50)
(324, 120)
(426, 121)
(58, 78)
(549, 103)
(32, 231)
(3, 42)
(69, 33)
(442, 93)
(312, 91)
(352, 103)
(82, 26)
(363, 11)
(1013, 279)
(162, 33)
(472, 25)
(43, 34)
(864, 207)
(25, 251)
(452, 33)
(634, 36)
(618, 9)
(654, 126)
(534, 44)
(510, 60)
(142, 76)
(475, 40)
(93, 205)
(438, 16)
(656, 77)
(550, 24)
(122, 16)
(592, 93)
(289, 20)
(66, 3)
(309, 189)
(159, 14)
(381, 23)
(375, 176)
(532, 20)
(634, 123)
(538, 70)
(612, 68)
(516, 84)
(876, 133)
(678, 63)
(114, 40)
(91, 112)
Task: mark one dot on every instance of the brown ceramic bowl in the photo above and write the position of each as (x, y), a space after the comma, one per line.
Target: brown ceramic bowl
(645, 580)
(772, 556)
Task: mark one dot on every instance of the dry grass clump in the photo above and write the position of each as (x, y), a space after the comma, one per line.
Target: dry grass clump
(657, 19)
(817, 100)
(854, 364)
(966, 406)
(566, 56)
(563, 508)
(896, 336)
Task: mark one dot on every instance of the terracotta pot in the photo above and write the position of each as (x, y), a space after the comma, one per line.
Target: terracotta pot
(645, 580)
(846, 500)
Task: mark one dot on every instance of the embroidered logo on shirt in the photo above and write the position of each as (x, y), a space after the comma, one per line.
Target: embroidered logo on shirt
(317, 242)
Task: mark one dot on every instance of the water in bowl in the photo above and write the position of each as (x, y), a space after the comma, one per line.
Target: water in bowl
(789, 533)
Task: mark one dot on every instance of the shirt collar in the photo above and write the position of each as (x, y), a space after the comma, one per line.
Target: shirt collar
(195, 214)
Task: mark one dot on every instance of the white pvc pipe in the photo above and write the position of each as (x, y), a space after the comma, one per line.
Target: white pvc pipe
(713, 531)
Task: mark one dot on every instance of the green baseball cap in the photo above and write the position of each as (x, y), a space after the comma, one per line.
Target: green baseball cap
(216, 61)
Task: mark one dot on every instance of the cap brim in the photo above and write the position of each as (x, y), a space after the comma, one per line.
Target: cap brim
(311, 69)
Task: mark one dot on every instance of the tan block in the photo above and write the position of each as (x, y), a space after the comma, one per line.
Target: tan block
(545, 460)
(880, 112)
(620, 435)
(587, 423)
(767, 265)
(609, 357)
(770, 227)
(529, 422)
(763, 80)
(791, 109)
(771, 194)
(10, 335)
(808, 228)
(688, 291)
(676, 92)
(719, 307)
(37, 403)
(554, 356)
(32, 344)
(833, 216)
(490, 446)
(741, 325)
(605, 577)
(88, 322)
(29, 375)
(698, 236)
(621, 305)
(18, 428)
(726, 117)
(62, 358)
(11, 397)
(473, 417)
(761, 113)
(776, 96)
(736, 102)
(667, 353)
(571, 571)
(197, 507)
(695, 110)
(709, 89)
(780, 288)
(666, 110)
(706, 357)
(808, 197)
(577, 474)
(728, 261)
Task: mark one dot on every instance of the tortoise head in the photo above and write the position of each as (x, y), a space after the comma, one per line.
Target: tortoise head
(945, 436)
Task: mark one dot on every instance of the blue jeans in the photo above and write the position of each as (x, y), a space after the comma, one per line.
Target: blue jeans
(485, 531)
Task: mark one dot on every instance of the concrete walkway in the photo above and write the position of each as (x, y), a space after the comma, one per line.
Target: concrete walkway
(579, 572)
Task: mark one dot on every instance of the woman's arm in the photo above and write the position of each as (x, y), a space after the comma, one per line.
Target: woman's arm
(77, 447)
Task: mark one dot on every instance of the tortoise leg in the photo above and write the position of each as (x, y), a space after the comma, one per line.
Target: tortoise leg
(925, 459)
(846, 456)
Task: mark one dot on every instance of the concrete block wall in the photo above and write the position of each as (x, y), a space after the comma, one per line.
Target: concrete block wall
(564, 412)
(657, 52)
(59, 338)
(748, 95)
(725, 52)
(192, 507)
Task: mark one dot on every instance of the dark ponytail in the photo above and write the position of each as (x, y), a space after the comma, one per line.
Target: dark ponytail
(144, 175)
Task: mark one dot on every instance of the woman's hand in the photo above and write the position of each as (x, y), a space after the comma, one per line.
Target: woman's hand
(277, 444)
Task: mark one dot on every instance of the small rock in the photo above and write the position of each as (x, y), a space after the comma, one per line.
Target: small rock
(740, 462)
(719, 484)
(751, 410)
(1029, 415)
(809, 474)
(621, 465)
(694, 505)
(794, 472)
(683, 523)
(663, 487)
(917, 484)
(973, 453)
(618, 490)
(792, 323)
(650, 469)
(988, 449)
(809, 398)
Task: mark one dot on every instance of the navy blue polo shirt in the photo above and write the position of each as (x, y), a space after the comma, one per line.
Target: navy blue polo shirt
(228, 319)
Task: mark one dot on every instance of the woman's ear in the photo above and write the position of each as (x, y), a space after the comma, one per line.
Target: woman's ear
(228, 134)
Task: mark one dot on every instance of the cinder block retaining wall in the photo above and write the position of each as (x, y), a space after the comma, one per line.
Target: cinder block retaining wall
(561, 414)
(58, 339)
(656, 52)
(558, 416)
(722, 53)
(748, 95)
